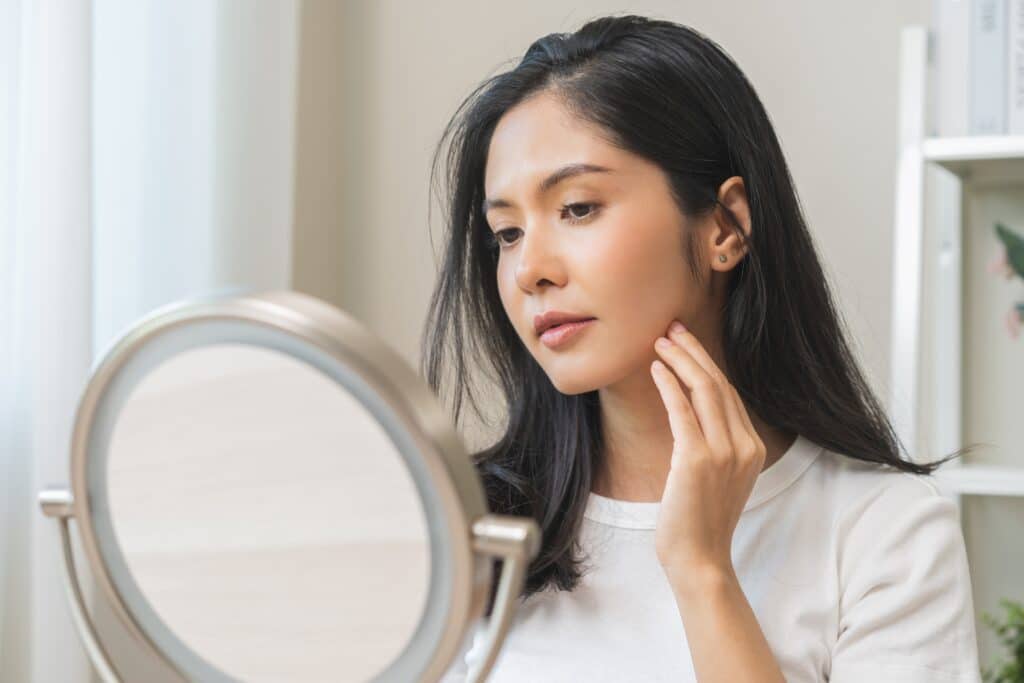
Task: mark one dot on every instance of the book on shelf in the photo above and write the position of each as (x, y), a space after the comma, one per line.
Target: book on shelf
(976, 60)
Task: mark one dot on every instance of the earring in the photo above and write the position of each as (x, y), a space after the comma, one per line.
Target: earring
(723, 258)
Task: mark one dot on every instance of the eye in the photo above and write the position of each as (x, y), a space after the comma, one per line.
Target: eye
(496, 239)
(571, 208)
(569, 212)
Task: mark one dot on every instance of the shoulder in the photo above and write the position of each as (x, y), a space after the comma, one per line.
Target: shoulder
(888, 522)
(865, 507)
(878, 497)
(860, 492)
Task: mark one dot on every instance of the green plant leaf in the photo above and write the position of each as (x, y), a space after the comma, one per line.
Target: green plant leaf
(1014, 244)
(1011, 633)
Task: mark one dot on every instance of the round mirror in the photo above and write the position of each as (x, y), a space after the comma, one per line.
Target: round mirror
(262, 519)
(266, 492)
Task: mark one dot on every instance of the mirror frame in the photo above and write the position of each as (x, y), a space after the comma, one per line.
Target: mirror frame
(464, 537)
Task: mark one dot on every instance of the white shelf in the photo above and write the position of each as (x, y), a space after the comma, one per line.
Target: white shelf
(979, 158)
(981, 480)
(974, 160)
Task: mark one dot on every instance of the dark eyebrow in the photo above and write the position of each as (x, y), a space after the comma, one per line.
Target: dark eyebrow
(558, 176)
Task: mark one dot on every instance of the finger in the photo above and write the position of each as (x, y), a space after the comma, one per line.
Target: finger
(744, 414)
(688, 340)
(762, 451)
(741, 439)
(746, 438)
(705, 397)
(681, 416)
(741, 432)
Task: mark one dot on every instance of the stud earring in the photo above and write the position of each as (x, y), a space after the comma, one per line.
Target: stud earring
(723, 258)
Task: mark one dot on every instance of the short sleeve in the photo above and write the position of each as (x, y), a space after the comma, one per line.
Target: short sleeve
(906, 613)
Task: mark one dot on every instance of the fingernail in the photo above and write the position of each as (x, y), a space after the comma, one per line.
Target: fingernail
(663, 343)
(677, 327)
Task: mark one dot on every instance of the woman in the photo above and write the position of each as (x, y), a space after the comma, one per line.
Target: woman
(729, 504)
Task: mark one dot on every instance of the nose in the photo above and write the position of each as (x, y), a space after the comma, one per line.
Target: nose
(539, 258)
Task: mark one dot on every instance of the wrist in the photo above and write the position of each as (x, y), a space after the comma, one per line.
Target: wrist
(700, 579)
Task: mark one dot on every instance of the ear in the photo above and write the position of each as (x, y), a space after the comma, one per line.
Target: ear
(722, 236)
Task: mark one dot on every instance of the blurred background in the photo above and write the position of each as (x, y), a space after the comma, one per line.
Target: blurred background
(151, 151)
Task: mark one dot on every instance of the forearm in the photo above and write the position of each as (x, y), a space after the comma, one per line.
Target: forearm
(726, 642)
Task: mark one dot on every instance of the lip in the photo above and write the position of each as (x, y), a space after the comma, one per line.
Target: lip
(551, 318)
(556, 337)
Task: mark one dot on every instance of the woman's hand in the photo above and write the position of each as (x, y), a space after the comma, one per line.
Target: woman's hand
(716, 459)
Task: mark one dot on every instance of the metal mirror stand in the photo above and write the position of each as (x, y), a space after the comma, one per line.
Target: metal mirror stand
(514, 540)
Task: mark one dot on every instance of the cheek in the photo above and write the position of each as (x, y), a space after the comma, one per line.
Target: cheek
(507, 288)
(643, 286)
(642, 283)
(512, 298)
(631, 276)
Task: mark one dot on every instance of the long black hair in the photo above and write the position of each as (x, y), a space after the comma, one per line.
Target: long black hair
(669, 94)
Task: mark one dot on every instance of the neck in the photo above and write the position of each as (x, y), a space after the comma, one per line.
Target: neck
(638, 440)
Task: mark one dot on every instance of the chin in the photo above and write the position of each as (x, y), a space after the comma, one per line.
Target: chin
(573, 387)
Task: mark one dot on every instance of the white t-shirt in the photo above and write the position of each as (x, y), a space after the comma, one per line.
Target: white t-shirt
(855, 573)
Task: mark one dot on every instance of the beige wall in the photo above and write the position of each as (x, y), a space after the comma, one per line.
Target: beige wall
(378, 81)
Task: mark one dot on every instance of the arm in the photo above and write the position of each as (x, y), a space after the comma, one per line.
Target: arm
(726, 642)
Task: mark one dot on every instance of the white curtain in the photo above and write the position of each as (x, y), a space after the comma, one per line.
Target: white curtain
(146, 156)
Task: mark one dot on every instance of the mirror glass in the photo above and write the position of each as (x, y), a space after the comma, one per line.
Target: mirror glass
(266, 519)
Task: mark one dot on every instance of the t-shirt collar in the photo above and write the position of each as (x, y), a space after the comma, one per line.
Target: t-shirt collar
(772, 481)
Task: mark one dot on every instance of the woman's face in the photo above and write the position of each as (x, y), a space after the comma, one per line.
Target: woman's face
(615, 254)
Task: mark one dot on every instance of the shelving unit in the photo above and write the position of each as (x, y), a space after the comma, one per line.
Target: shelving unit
(974, 161)
(979, 158)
